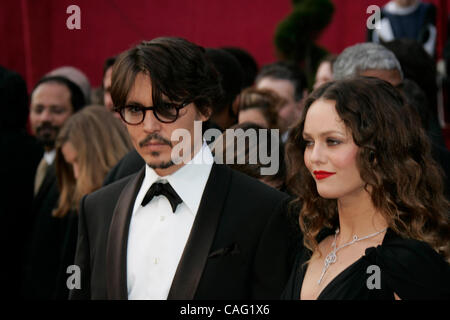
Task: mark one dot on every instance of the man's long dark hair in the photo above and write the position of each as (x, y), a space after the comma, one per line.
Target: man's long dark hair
(177, 68)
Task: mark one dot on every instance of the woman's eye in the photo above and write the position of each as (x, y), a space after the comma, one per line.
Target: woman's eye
(309, 143)
(333, 142)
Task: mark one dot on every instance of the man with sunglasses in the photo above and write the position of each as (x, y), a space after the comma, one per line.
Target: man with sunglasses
(189, 230)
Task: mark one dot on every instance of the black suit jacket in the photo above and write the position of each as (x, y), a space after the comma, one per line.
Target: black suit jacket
(48, 244)
(238, 247)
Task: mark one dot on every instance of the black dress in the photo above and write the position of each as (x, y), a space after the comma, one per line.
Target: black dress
(410, 268)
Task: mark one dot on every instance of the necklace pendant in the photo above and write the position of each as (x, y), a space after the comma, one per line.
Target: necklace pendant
(329, 259)
(321, 276)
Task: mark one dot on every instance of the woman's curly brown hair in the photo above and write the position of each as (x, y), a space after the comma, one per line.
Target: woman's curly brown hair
(394, 160)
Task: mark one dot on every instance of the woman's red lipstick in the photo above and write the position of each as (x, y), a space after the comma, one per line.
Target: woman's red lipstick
(322, 174)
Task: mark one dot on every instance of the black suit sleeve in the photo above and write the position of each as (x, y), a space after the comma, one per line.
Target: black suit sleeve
(272, 260)
(82, 258)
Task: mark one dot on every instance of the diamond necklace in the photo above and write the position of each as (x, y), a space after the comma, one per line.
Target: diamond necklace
(331, 257)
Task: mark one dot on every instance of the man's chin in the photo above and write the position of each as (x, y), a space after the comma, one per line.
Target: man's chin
(156, 159)
(46, 142)
(160, 164)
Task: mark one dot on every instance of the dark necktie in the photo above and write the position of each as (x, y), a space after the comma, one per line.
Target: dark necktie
(164, 189)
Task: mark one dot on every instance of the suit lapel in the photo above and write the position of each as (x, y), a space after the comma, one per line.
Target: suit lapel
(49, 180)
(116, 249)
(193, 260)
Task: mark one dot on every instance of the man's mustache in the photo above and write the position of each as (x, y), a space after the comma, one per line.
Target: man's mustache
(157, 137)
(46, 126)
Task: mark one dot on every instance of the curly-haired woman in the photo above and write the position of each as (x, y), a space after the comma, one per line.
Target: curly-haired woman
(372, 211)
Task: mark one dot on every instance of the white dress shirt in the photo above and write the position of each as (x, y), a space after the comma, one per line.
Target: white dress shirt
(157, 236)
(49, 156)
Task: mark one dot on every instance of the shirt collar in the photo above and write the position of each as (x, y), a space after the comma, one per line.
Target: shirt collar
(49, 156)
(189, 181)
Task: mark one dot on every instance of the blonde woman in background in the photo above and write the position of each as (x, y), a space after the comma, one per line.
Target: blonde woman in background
(89, 144)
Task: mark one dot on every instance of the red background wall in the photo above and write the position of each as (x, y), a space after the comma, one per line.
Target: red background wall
(34, 38)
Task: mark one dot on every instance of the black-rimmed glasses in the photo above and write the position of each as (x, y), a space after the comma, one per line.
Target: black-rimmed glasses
(166, 112)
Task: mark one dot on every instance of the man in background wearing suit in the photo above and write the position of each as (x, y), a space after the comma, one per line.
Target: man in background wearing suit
(53, 100)
(195, 230)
